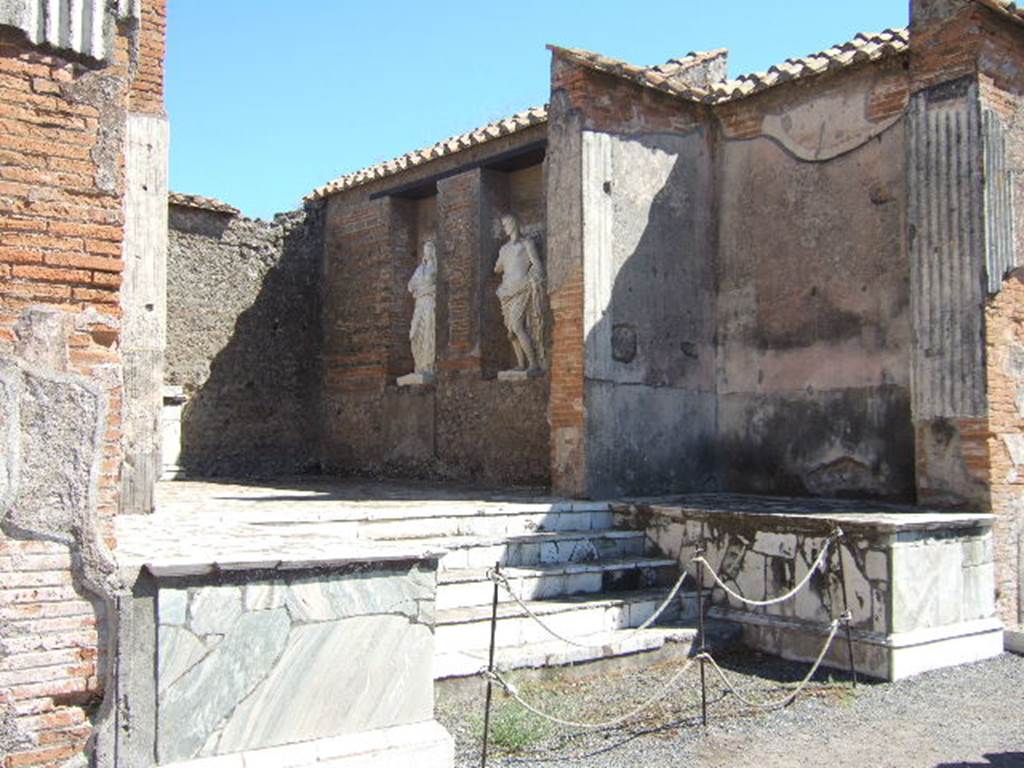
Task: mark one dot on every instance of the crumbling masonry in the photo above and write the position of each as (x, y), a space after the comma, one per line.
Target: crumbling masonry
(804, 282)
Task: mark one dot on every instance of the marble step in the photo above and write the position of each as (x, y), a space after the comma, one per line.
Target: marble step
(472, 586)
(500, 521)
(459, 629)
(542, 547)
(618, 643)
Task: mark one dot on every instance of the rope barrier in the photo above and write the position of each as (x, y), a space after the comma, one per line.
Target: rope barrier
(833, 629)
(493, 676)
(503, 581)
(781, 598)
(512, 691)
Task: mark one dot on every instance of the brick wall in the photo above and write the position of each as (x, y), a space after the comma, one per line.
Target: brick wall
(61, 230)
(1004, 338)
(467, 425)
(146, 94)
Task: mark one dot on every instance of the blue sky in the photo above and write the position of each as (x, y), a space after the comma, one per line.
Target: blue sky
(269, 100)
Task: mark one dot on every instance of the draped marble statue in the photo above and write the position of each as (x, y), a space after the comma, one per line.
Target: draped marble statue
(521, 294)
(422, 330)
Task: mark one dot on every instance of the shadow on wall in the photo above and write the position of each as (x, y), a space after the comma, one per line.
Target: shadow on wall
(243, 340)
(650, 314)
(765, 352)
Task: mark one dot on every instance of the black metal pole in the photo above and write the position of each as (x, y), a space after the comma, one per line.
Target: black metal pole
(701, 647)
(490, 667)
(846, 608)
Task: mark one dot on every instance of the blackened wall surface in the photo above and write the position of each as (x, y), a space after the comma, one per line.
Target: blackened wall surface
(813, 305)
(243, 339)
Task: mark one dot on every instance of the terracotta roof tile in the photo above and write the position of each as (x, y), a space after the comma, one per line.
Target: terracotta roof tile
(504, 127)
(862, 48)
(198, 201)
(662, 77)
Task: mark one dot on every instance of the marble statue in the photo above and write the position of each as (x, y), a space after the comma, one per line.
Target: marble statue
(422, 330)
(521, 294)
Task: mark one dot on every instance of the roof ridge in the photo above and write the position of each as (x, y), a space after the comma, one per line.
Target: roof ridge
(863, 47)
(504, 126)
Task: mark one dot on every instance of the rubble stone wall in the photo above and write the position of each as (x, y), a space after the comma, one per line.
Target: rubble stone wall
(243, 340)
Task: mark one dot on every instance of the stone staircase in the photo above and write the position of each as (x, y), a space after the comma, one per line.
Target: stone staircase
(586, 579)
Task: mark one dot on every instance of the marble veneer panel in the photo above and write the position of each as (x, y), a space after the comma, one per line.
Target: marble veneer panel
(267, 660)
(917, 584)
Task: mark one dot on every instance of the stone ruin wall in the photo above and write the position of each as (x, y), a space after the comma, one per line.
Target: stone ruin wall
(813, 311)
(66, 328)
(1002, 92)
(759, 282)
(243, 339)
(467, 426)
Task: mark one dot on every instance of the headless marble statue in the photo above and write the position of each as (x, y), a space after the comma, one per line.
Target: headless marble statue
(422, 330)
(521, 294)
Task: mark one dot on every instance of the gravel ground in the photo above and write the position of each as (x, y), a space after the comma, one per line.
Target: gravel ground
(967, 716)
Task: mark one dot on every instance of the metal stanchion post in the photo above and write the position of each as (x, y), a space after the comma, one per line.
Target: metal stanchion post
(847, 616)
(490, 667)
(701, 646)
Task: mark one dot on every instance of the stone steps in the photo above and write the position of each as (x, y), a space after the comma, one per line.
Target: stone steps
(540, 547)
(468, 628)
(472, 586)
(501, 521)
(620, 644)
(586, 579)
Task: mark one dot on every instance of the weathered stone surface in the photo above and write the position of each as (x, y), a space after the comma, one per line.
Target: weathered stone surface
(306, 602)
(41, 338)
(389, 594)
(263, 597)
(60, 423)
(775, 544)
(213, 610)
(178, 650)
(876, 566)
(172, 606)
(192, 708)
(382, 664)
(242, 324)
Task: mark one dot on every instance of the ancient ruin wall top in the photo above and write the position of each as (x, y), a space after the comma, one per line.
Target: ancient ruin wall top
(673, 78)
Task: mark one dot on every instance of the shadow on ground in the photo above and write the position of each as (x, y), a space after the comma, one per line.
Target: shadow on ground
(993, 760)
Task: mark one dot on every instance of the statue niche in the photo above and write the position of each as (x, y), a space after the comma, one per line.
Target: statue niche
(423, 328)
(521, 294)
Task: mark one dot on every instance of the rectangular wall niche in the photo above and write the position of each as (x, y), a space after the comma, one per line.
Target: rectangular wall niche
(522, 192)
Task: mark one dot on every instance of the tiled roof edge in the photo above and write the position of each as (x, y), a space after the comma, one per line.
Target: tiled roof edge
(198, 201)
(862, 48)
(508, 126)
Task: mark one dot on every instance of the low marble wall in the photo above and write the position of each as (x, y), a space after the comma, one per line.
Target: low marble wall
(920, 587)
(271, 662)
(274, 661)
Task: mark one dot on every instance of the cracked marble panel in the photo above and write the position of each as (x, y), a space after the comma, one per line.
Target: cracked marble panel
(383, 666)
(293, 658)
(193, 707)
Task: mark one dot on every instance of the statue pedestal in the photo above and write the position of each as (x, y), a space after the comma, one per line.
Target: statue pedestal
(520, 375)
(416, 379)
